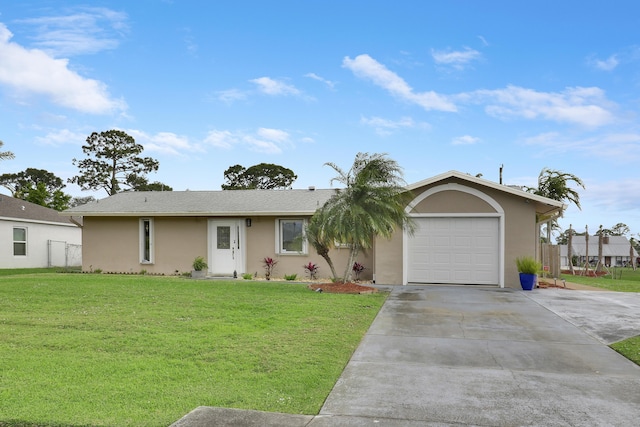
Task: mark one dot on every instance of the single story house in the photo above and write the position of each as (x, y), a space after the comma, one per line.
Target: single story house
(34, 236)
(468, 231)
(617, 251)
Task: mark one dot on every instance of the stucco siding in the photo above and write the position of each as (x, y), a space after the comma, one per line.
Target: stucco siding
(518, 216)
(389, 260)
(38, 237)
(177, 241)
(261, 242)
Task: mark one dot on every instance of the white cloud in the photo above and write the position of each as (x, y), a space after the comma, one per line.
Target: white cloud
(263, 140)
(365, 67)
(88, 30)
(61, 137)
(270, 86)
(314, 76)
(262, 145)
(231, 95)
(455, 59)
(585, 106)
(32, 71)
(275, 135)
(385, 127)
(162, 142)
(612, 147)
(484, 41)
(465, 140)
(613, 195)
(221, 139)
(608, 64)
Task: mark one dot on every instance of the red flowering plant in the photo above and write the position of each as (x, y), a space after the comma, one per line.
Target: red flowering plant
(357, 269)
(312, 269)
(269, 264)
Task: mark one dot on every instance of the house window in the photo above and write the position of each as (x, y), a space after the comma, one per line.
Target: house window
(291, 236)
(19, 241)
(146, 241)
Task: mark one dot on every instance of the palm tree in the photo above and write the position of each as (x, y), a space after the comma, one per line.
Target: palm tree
(372, 204)
(315, 236)
(5, 155)
(554, 184)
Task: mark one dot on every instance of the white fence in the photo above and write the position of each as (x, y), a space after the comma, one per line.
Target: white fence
(63, 254)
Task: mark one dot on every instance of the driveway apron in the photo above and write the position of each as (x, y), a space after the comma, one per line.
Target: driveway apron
(461, 355)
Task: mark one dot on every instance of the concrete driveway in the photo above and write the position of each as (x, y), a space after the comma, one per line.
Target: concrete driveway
(452, 355)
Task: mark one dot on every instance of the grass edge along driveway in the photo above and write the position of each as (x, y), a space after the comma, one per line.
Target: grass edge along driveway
(104, 350)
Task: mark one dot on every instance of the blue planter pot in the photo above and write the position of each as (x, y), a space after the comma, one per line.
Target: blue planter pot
(528, 281)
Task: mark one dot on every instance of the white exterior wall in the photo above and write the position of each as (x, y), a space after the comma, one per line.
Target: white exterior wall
(38, 236)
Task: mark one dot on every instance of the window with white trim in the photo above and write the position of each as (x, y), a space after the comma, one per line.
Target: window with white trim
(291, 238)
(19, 241)
(146, 241)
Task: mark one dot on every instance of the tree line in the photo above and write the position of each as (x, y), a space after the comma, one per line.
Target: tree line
(113, 163)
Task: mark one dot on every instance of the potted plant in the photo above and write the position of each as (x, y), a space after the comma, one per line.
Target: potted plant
(528, 268)
(199, 268)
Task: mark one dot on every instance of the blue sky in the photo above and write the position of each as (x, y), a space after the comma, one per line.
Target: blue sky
(439, 86)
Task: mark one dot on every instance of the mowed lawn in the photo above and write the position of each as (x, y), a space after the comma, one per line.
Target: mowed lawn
(105, 350)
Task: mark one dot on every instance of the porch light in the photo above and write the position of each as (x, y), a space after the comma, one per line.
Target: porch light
(248, 222)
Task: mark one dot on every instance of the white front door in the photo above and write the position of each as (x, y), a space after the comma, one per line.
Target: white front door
(225, 247)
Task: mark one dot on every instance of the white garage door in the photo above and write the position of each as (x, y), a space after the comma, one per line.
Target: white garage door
(454, 250)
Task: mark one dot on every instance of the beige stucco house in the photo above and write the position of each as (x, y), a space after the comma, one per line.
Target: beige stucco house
(468, 231)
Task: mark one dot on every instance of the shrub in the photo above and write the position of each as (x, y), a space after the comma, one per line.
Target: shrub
(199, 264)
(290, 276)
(357, 269)
(269, 265)
(247, 276)
(312, 269)
(528, 265)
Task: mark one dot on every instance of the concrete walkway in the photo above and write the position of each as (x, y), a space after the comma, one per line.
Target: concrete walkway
(452, 355)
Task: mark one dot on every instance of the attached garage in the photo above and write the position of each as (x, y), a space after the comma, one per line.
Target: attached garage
(455, 250)
(468, 231)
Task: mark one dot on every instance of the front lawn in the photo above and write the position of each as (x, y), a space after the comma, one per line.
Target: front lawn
(629, 348)
(619, 279)
(103, 350)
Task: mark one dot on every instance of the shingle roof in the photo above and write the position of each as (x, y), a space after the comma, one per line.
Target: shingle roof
(617, 246)
(207, 203)
(17, 209)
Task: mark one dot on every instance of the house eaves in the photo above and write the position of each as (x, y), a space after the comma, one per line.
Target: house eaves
(554, 206)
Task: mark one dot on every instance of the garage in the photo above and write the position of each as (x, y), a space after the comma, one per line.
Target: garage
(455, 250)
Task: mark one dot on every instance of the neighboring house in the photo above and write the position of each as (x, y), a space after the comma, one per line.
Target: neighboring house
(33, 236)
(616, 251)
(469, 231)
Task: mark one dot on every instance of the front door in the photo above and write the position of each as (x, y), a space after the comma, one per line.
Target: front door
(225, 248)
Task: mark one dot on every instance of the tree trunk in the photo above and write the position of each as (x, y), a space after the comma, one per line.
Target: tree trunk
(353, 253)
(325, 255)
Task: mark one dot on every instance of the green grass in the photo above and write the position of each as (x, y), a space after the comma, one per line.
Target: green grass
(14, 271)
(620, 279)
(103, 350)
(629, 348)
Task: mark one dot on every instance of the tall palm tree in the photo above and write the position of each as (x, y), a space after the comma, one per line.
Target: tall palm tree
(372, 204)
